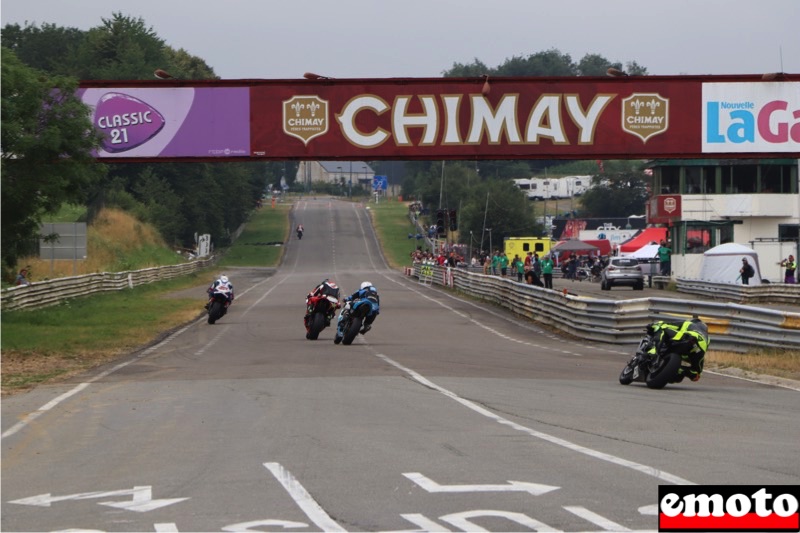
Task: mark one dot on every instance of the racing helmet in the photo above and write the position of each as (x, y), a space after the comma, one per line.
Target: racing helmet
(365, 284)
(223, 278)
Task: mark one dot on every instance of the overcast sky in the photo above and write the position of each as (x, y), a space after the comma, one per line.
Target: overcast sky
(422, 38)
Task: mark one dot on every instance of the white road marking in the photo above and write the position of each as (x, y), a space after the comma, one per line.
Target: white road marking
(302, 498)
(596, 454)
(142, 499)
(513, 486)
(594, 518)
(271, 525)
(461, 520)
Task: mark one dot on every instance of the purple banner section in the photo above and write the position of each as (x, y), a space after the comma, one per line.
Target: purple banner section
(171, 121)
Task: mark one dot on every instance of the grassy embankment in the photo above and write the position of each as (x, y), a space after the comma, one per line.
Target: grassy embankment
(47, 345)
(393, 226)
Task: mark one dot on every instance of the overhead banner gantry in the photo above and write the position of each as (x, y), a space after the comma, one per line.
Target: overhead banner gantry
(448, 118)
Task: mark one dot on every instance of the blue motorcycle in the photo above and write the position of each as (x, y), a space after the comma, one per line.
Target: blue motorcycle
(351, 319)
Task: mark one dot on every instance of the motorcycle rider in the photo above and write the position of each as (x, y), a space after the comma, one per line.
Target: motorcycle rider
(221, 281)
(687, 337)
(368, 292)
(300, 231)
(326, 288)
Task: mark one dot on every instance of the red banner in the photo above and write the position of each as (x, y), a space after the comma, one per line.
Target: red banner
(504, 118)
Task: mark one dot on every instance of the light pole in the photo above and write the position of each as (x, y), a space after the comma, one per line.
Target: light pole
(340, 178)
(350, 187)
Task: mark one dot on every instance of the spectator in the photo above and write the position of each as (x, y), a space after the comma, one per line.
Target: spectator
(572, 266)
(664, 253)
(547, 271)
(503, 264)
(536, 265)
(23, 277)
(528, 260)
(791, 267)
(519, 266)
(746, 272)
(495, 262)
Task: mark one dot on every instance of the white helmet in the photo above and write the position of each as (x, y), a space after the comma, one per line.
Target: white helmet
(365, 285)
(223, 278)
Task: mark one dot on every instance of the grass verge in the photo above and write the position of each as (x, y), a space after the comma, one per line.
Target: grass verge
(52, 344)
(56, 342)
(393, 226)
(261, 242)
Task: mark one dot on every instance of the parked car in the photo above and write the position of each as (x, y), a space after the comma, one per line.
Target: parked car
(622, 271)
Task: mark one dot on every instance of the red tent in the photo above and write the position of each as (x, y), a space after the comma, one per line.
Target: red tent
(644, 237)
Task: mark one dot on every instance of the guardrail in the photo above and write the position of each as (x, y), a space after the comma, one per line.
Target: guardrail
(776, 293)
(51, 292)
(732, 326)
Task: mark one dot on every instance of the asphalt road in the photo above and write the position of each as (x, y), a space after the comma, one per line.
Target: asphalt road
(449, 415)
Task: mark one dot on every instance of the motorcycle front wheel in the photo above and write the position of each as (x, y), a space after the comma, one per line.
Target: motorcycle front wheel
(663, 371)
(626, 376)
(215, 311)
(317, 325)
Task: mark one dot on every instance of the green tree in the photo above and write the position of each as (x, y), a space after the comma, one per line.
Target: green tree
(48, 47)
(46, 151)
(121, 48)
(620, 195)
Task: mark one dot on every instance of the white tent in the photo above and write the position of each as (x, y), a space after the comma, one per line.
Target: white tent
(721, 264)
(648, 251)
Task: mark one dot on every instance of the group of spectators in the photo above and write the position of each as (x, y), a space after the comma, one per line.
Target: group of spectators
(442, 258)
(531, 269)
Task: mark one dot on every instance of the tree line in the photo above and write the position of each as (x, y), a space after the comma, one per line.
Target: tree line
(46, 161)
(45, 145)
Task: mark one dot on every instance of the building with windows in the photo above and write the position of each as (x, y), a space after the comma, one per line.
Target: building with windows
(707, 202)
(348, 174)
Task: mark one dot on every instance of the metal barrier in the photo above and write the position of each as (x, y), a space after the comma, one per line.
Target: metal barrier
(732, 326)
(51, 292)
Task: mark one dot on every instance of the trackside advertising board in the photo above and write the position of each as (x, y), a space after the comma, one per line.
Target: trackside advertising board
(447, 118)
(195, 122)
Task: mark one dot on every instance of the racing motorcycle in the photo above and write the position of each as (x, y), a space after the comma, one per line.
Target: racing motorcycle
(321, 306)
(351, 319)
(218, 305)
(659, 360)
(299, 233)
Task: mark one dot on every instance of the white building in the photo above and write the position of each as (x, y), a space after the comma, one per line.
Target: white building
(710, 202)
(345, 173)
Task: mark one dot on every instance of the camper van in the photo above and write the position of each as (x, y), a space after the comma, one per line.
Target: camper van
(522, 245)
(530, 187)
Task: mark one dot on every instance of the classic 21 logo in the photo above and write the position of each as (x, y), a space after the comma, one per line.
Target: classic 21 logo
(751, 117)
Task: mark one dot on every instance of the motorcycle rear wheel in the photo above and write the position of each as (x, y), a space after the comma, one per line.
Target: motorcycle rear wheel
(317, 325)
(664, 372)
(352, 330)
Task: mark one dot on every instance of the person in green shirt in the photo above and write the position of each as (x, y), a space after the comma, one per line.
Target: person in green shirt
(519, 265)
(503, 264)
(664, 253)
(495, 262)
(547, 271)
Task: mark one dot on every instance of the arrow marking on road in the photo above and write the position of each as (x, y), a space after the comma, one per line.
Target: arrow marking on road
(142, 499)
(513, 486)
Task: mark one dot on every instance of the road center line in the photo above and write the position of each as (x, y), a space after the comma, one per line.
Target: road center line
(595, 454)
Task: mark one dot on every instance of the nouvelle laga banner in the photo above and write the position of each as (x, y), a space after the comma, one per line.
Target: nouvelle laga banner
(448, 118)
